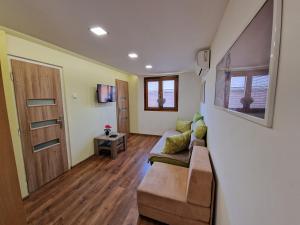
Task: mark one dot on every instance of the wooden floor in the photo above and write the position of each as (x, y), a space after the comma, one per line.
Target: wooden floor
(98, 191)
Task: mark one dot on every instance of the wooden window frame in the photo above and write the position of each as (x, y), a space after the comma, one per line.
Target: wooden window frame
(248, 74)
(160, 93)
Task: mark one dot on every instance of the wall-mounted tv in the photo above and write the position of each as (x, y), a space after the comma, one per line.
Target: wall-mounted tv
(106, 93)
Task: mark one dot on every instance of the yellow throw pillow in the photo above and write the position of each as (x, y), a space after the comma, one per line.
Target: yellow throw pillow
(183, 125)
(200, 129)
(197, 117)
(177, 143)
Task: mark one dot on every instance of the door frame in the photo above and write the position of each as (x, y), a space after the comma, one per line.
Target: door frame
(14, 211)
(63, 95)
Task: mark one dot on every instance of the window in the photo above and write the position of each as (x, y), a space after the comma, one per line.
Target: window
(161, 93)
(259, 90)
(237, 92)
(246, 91)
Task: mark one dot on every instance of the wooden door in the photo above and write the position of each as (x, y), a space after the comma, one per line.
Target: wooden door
(11, 207)
(122, 106)
(40, 111)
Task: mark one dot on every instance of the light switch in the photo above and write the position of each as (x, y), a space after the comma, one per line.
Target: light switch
(74, 96)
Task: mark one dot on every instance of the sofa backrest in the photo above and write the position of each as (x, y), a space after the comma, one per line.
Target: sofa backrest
(200, 183)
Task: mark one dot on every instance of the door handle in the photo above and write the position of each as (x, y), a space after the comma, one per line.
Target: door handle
(60, 121)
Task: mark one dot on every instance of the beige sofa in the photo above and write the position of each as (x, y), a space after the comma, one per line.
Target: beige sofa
(176, 195)
(181, 158)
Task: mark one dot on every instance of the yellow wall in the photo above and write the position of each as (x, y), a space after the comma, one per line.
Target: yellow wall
(86, 118)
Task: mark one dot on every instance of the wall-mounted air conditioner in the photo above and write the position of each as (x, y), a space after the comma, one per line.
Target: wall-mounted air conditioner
(202, 63)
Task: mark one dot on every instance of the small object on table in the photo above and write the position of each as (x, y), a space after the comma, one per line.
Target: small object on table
(113, 135)
(113, 144)
(107, 129)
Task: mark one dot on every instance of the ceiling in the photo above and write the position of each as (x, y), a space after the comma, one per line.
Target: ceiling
(165, 33)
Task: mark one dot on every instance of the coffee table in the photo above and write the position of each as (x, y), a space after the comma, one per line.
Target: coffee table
(113, 144)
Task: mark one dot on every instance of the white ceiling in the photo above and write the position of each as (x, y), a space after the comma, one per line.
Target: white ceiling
(165, 33)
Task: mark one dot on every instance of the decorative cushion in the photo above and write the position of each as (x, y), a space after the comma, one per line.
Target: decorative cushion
(193, 126)
(183, 125)
(199, 130)
(197, 117)
(177, 143)
(180, 159)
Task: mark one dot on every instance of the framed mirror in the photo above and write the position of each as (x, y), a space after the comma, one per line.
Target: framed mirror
(247, 74)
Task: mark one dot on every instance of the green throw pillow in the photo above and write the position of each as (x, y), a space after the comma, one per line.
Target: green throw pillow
(183, 126)
(200, 129)
(197, 117)
(177, 143)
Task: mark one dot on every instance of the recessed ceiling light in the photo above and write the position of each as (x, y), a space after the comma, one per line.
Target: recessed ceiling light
(133, 55)
(148, 67)
(98, 31)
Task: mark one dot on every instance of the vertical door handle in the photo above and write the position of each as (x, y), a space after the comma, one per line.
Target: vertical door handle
(60, 121)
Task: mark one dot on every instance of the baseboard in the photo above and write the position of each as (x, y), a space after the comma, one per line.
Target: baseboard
(25, 197)
(146, 135)
(81, 162)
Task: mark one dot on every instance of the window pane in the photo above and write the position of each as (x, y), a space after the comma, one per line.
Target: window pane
(259, 91)
(45, 145)
(168, 93)
(45, 123)
(40, 102)
(153, 94)
(237, 92)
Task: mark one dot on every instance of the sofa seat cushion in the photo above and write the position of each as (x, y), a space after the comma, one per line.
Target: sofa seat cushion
(165, 188)
(167, 217)
(181, 158)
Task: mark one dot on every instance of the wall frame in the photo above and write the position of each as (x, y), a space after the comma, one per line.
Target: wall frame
(232, 63)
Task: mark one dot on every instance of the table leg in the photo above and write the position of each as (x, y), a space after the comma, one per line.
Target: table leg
(113, 150)
(96, 147)
(125, 142)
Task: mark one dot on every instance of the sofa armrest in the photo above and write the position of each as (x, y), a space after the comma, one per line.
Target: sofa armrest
(200, 180)
(196, 142)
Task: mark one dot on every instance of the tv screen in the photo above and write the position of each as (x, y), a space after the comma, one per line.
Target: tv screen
(106, 93)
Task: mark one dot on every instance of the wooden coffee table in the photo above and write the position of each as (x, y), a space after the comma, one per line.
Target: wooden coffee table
(113, 144)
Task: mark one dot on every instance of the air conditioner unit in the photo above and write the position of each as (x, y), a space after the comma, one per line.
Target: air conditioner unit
(202, 62)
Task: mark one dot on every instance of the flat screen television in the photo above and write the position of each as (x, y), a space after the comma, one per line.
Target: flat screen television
(106, 93)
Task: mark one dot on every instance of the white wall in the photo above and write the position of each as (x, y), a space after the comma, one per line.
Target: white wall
(156, 123)
(257, 167)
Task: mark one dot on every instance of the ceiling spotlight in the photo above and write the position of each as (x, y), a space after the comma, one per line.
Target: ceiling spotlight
(98, 31)
(148, 67)
(133, 55)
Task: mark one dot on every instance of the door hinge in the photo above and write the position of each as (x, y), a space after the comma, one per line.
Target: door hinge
(19, 132)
